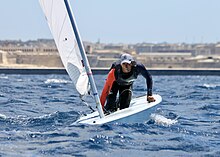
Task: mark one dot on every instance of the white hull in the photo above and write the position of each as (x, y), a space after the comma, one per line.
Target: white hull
(138, 112)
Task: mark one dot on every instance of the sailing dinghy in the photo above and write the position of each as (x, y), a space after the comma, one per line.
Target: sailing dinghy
(63, 27)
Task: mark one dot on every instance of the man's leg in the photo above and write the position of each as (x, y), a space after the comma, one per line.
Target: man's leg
(111, 98)
(125, 96)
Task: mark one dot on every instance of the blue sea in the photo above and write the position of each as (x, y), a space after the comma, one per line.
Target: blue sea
(37, 115)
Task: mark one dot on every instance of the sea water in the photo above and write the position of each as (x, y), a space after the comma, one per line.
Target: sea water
(37, 113)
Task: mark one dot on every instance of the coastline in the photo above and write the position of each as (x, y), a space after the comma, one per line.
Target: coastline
(104, 71)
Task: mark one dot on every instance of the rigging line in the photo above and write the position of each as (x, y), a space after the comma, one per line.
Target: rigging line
(84, 102)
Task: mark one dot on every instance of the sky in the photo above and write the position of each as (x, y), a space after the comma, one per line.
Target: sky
(119, 21)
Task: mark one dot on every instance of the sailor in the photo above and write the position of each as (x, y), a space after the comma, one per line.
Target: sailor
(120, 79)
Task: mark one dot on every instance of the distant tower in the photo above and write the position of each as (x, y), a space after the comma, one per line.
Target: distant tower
(89, 49)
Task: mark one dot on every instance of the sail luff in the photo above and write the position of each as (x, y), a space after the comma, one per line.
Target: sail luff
(85, 60)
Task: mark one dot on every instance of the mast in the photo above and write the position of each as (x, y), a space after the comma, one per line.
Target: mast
(85, 60)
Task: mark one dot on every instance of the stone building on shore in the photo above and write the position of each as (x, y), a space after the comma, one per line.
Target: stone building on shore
(42, 53)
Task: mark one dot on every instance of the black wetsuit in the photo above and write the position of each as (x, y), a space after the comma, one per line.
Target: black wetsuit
(123, 83)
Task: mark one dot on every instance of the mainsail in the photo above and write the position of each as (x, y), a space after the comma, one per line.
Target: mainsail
(65, 32)
(59, 23)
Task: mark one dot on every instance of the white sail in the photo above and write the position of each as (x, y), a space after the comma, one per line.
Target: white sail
(60, 25)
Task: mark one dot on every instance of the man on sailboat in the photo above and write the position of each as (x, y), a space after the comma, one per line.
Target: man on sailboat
(120, 79)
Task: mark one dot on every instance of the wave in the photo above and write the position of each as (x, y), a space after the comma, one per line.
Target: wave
(48, 81)
(210, 107)
(161, 120)
(49, 121)
(210, 86)
(2, 116)
(3, 77)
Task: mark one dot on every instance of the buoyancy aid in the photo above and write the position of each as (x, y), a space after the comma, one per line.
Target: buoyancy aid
(125, 78)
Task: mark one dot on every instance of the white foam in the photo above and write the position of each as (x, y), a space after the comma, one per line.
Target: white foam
(211, 85)
(3, 77)
(56, 81)
(161, 120)
(3, 116)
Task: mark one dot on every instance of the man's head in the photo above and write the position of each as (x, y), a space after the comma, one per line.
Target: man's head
(126, 62)
(126, 58)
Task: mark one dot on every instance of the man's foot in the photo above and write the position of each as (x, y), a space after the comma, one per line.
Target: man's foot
(106, 112)
(150, 99)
